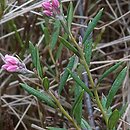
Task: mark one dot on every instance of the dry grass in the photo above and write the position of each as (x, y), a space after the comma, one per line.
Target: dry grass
(22, 19)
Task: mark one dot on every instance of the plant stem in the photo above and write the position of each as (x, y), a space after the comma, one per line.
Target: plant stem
(64, 112)
(95, 90)
(84, 63)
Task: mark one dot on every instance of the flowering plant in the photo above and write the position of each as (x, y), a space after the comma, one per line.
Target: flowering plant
(79, 64)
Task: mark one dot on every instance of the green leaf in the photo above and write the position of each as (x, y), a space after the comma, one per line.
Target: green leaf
(55, 34)
(85, 125)
(66, 74)
(33, 53)
(69, 46)
(70, 15)
(103, 101)
(40, 95)
(46, 33)
(113, 119)
(36, 59)
(59, 51)
(54, 128)
(115, 87)
(109, 110)
(77, 107)
(38, 66)
(111, 69)
(92, 25)
(80, 83)
(46, 83)
(88, 50)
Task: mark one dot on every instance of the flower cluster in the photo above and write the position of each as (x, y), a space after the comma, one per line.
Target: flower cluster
(51, 7)
(12, 64)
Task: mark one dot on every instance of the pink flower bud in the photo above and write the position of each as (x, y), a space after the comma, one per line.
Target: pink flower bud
(11, 59)
(55, 4)
(47, 6)
(47, 13)
(12, 64)
(51, 8)
(10, 68)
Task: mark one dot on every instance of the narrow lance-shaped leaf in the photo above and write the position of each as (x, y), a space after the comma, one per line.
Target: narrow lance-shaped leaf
(63, 20)
(36, 59)
(59, 51)
(103, 101)
(109, 110)
(39, 68)
(41, 96)
(113, 119)
(69, 46)
(77, 107)
(78, 96)
(80, 83)
(111, 69)
(88, 50)
(92, 25)
(66, 74)
(64, 25)
(33, 53)
(115, 87)
(70, 15)
(46, 33)
(55, 34)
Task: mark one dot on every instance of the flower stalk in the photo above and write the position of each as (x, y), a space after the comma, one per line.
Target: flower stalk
(64, 112)
(84, 63)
